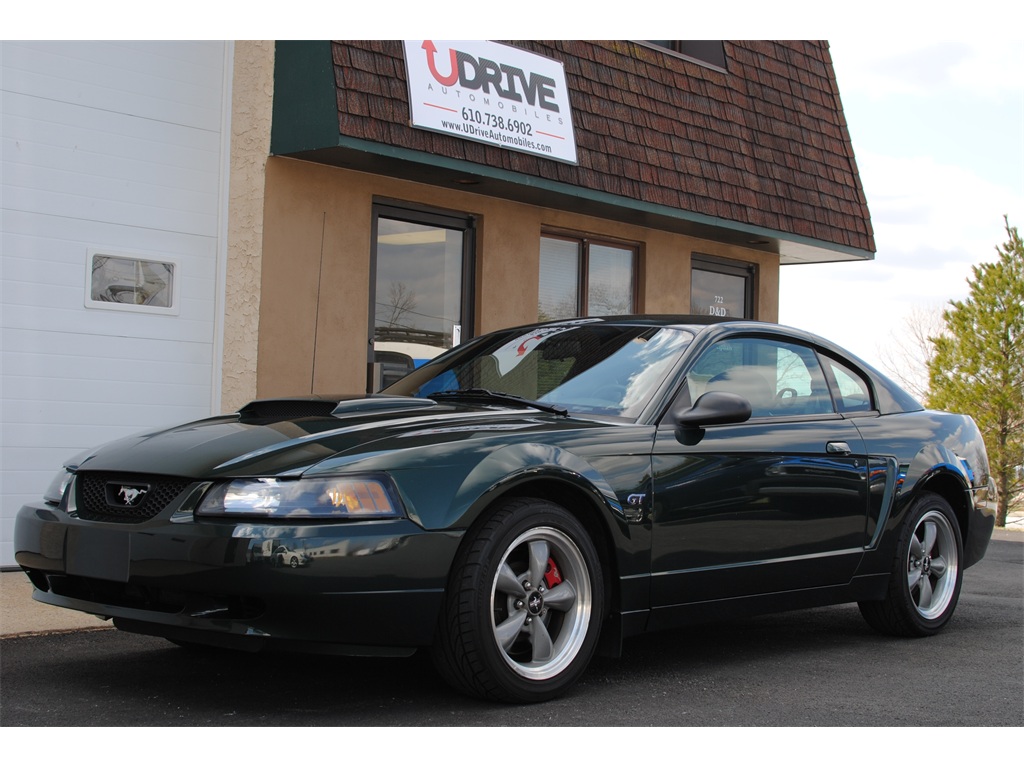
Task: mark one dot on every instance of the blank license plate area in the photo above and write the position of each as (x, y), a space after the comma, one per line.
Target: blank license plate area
(98, 554)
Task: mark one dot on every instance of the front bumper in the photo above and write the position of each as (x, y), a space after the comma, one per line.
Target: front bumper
(358, 587)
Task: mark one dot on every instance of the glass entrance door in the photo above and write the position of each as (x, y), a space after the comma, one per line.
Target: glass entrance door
(422, 266)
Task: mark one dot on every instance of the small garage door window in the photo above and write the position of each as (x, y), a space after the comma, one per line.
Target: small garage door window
(120, 281)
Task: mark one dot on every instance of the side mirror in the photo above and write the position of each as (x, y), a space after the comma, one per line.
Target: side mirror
(714, 408)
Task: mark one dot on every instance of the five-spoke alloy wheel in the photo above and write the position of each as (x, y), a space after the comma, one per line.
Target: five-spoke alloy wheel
(541, 603)
(926, 575)
(524, 606)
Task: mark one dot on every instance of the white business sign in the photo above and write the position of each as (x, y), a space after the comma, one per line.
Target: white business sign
(492, 93)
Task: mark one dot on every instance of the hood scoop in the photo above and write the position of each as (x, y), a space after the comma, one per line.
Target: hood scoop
(291, 408)
(373, 403)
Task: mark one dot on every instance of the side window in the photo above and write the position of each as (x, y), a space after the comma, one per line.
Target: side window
(854, 393)
(779, 379)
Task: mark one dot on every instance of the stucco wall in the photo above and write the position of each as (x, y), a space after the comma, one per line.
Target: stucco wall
(313, 329)
(251, 106)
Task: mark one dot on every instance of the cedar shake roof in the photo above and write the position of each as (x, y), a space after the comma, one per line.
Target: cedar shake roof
(762, 147)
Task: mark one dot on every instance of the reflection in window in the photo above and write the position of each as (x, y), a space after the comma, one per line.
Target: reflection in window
(589, 368)
(419, 283)
(419, 290)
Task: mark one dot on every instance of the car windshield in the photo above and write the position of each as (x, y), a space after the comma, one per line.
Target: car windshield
(589, 368)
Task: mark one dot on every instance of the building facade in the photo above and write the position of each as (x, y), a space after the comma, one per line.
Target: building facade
(317, 217)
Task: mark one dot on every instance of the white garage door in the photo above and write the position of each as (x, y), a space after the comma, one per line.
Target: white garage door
(112, 205)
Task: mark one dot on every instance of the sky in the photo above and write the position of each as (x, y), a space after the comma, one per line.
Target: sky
(938, 131)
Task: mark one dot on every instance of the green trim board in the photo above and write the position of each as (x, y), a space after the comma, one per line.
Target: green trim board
(305, 103)
(423, 167)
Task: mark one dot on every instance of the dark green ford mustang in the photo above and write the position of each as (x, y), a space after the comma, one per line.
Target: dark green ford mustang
(528, 499)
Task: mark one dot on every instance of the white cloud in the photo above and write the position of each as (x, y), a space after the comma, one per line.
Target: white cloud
(923, 207)
(887, 67)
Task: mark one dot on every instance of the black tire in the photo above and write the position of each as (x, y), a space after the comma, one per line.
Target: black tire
(294, 562)
(926, 575)
(513, 629)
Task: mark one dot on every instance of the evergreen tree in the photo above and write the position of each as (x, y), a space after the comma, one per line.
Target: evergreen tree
(978, 365)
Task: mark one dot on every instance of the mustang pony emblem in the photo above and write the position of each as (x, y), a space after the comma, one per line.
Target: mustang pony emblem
(130, 494)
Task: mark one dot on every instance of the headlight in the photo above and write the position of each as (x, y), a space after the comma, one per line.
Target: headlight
(363, 498)
(55, 491)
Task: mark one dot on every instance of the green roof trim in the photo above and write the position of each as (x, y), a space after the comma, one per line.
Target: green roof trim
(467, 168)
(305, 105)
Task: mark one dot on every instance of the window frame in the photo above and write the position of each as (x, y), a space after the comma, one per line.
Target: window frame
(718, 265)
(684, 397)
(173, 265)
(583, 269)
(676, 48)
(414, 213)
(829, 360)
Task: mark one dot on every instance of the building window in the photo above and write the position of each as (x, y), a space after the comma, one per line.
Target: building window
(722, 288)
(421, 288)
(581, 277)
(710, 53)
(128, 282)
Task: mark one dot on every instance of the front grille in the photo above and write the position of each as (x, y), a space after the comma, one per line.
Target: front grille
(106, 497)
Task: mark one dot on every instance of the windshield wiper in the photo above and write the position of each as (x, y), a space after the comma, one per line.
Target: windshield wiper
(498, 397)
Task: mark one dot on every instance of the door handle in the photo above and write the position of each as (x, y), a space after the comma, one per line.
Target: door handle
(838, 448)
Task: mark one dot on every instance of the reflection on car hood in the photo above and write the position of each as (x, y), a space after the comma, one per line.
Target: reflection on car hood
(292, 436)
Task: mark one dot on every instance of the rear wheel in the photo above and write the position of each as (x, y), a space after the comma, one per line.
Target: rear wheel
(524, 605)
(926, 574)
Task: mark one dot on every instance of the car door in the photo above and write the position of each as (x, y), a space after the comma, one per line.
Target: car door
(776, 503)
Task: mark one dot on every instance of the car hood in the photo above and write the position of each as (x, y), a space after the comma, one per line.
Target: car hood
(293, 436)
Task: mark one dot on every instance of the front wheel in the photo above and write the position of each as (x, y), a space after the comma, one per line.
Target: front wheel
(524, 605)
(926, 575)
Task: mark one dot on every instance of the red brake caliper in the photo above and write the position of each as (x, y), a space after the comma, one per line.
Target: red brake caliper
(552, 576)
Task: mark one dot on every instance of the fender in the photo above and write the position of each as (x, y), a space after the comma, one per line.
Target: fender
(519, 463)
(930, 461)
(619, 512)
